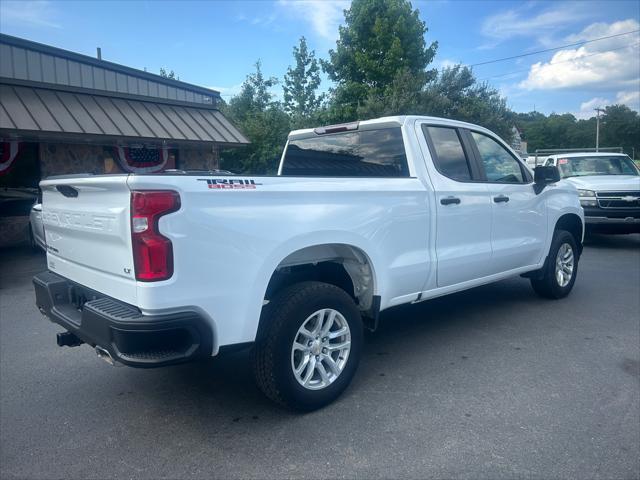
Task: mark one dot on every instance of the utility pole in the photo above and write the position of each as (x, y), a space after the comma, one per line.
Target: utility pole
(598, 110)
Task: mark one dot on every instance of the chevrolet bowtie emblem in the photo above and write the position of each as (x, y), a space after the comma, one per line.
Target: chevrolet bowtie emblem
(629, 198)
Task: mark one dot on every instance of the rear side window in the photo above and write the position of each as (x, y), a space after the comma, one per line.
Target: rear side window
(367, 153)
(450, 158)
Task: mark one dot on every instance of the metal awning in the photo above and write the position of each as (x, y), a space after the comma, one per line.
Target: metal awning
(43, 112)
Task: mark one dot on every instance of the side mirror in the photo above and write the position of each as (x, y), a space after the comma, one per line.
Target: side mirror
(543, 176)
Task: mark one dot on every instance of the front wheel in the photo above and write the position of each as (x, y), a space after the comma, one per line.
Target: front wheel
(561, 268)
(311, 345)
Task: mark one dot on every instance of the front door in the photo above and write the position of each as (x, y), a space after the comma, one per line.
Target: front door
(463, 207)
(519, 221)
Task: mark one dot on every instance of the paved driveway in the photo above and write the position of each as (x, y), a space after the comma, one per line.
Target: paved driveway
(489, 383)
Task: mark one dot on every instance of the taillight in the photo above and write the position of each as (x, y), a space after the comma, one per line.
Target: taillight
(152, 252)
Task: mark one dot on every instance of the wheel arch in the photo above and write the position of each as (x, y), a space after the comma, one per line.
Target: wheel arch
(344, 265)
(572, 223)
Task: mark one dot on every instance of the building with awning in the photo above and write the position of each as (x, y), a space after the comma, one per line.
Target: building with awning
(62, 112)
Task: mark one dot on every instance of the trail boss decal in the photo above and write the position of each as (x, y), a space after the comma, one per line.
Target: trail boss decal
(230, 183)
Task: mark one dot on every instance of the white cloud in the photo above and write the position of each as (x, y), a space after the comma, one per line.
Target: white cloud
(610, 64)
(601, 29)
(445, 63)
(31, 13)
(587, 108)
(522, 23)
(227, 92)
(264, 20)
(324, 16)
(630, 98)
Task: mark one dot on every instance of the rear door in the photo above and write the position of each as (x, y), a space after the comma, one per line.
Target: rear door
(519, 221)
(88, 233)
(463, 208)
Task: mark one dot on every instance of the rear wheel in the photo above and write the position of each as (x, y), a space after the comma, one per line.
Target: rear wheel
(311, 347)
(561, 268)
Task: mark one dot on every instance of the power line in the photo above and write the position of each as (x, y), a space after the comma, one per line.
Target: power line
(561, 61)
(551, 49)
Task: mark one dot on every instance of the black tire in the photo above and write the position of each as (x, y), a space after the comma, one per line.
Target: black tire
(282, 318)
(547, 285)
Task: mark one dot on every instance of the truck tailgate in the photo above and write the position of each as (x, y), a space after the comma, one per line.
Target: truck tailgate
(88, 232)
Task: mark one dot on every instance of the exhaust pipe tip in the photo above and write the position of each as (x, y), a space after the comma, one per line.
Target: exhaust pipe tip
(104, 354)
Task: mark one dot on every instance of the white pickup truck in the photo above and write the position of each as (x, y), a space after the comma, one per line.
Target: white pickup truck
(157, 269)
(609, 188)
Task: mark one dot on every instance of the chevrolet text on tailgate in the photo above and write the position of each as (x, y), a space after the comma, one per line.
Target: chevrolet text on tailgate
(158, 269)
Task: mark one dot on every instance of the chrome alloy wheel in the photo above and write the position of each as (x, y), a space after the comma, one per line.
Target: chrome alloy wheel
(564, 264)
(321, 349)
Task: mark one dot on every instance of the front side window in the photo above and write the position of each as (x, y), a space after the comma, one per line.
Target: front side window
(596, 165)
(499, 164)
(366, 153)
(450, 158)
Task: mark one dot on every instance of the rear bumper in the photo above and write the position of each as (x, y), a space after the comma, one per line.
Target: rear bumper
(129, 336)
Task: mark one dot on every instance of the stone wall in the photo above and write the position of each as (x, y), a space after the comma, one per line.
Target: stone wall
(64, 158)
(207, 158)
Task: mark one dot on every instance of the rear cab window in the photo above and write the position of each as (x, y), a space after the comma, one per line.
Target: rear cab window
(364, 153)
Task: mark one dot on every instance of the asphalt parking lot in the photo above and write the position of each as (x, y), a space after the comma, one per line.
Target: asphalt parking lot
(490, 383)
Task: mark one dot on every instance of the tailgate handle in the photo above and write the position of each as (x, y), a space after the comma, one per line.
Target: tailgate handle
(67, 191)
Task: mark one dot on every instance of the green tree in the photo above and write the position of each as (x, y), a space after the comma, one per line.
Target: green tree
(620, 127)
(169, 74)
(381, 43)
(456, 94)
(301, 83)
(262, 120)
(401, 97)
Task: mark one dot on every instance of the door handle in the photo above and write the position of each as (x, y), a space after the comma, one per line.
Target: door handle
(450, 201)
(501, 199)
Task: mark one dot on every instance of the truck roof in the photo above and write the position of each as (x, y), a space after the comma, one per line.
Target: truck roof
(397, 120)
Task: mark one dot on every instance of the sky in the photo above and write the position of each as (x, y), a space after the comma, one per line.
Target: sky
(216, 43)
